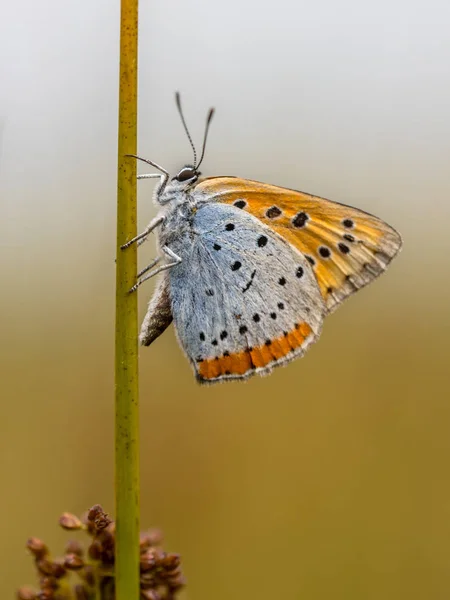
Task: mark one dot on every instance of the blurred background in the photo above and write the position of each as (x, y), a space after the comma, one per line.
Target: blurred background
(330, 477)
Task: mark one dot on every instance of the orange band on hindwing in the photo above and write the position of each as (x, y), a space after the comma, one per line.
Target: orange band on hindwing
(240, 363)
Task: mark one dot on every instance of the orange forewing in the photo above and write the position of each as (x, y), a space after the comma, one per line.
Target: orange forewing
(347, 247)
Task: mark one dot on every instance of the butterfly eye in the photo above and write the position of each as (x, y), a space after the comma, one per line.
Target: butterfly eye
(186, 173)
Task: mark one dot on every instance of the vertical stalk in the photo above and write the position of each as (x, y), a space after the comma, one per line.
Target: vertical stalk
(126, 359)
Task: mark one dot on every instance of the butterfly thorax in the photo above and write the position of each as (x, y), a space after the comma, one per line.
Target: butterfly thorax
(178, 219)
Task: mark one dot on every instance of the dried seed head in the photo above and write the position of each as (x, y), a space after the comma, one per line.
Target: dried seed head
(70, 521)
(160, 572)
(73, 562)
(26, 593)
(37, 547)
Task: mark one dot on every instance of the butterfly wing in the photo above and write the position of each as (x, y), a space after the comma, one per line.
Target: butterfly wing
(346, 247)
(243, 299)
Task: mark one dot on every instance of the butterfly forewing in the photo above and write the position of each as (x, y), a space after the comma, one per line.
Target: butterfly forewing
(243, 299)
(346, 247)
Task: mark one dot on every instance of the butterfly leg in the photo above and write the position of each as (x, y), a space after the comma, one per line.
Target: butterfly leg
(150, 176)
(175, 260)
(150, 227)
(154, 262)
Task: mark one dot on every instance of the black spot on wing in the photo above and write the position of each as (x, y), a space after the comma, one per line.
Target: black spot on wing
(240, 203)
(262, 241)
(343, 248)
(250, 281)
(273, 212)
(300, 220)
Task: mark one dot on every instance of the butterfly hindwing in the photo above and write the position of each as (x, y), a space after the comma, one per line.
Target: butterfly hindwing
(346, 247)
(243, 299)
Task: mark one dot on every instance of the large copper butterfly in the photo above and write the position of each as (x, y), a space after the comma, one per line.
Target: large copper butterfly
(250, 270)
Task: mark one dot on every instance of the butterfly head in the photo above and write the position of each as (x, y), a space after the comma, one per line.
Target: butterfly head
(187, 175)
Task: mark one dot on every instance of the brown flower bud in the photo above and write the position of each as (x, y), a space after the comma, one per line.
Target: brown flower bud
(155, 536)
(69, 521)
(147, 580)
(144, 541)
(46, 594)
(147, 561)
(59, 570)
(81, 592)
(48, 583)
(45, 566)
(37, 547)
(95, 550)
(26, 593)
(176, 582)
(150, 594)
(106, 539)
(74, 547)
(170, 561)
(108, 557)
(158, 554)
(98, 516)
(73, 562)
(88, 575)
(94, 511)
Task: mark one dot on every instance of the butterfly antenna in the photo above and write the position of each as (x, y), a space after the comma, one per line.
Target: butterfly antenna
(180, 110)
(208, 121)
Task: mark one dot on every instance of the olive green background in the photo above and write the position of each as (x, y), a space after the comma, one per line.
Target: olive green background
(328, 479)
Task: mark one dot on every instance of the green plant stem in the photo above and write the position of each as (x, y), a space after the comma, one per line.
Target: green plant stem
(126, 358)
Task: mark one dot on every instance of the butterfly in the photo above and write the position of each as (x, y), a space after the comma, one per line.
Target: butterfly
(250, 270)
